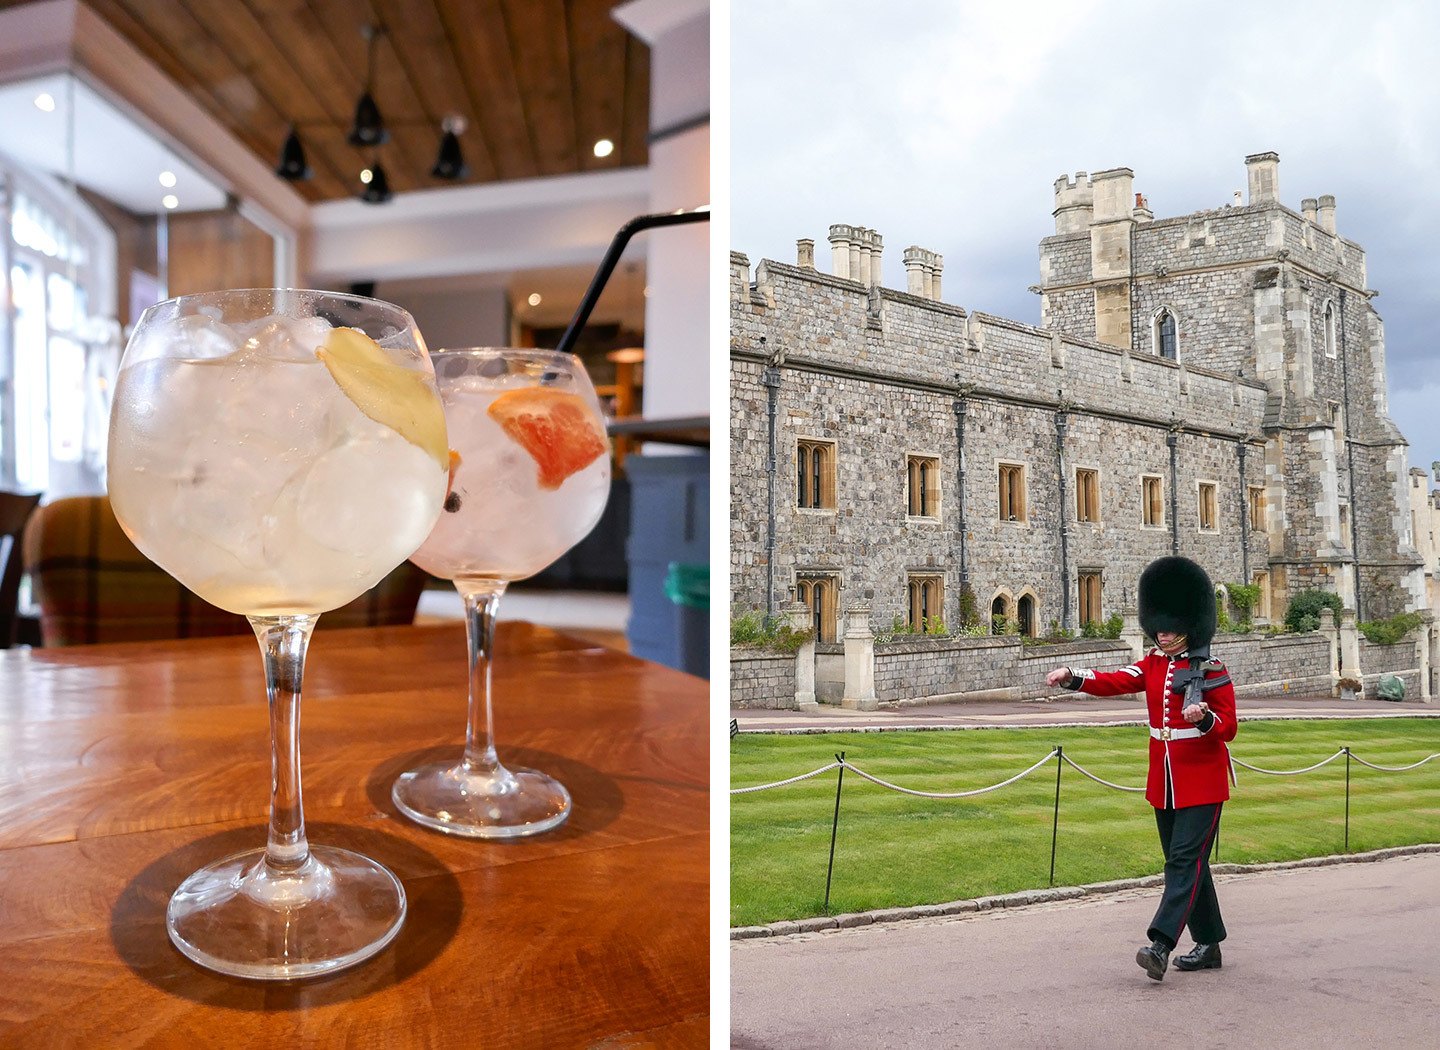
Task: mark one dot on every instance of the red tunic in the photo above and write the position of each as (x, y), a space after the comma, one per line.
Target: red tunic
(1185, 770)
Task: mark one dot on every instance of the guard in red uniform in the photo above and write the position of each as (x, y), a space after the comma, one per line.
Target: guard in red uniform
(1192, 717)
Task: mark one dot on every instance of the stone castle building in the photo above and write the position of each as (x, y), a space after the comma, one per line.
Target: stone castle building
(1211, 385)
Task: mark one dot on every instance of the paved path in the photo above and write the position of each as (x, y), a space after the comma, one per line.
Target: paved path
(1089, 710)
(1340, 956)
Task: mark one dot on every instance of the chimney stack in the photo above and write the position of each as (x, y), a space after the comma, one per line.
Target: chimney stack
(1327, 213)
(805, 253)
(922, 272)
(1263, 170)
(840, 236)
(1307, 208)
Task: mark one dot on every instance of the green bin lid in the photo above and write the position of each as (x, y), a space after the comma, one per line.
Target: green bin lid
(688, 585)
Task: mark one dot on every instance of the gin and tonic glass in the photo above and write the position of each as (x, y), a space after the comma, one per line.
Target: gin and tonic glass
(530, 479)
(278, 452)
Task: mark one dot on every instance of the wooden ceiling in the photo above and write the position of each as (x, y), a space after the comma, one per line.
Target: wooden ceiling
(538, 82)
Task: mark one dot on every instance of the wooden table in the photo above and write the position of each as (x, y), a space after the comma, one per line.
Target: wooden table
(125, 767)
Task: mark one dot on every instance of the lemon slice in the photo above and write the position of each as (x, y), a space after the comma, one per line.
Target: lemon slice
(392, 396)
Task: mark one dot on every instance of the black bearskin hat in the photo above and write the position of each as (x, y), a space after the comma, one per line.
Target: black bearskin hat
(1176, 595)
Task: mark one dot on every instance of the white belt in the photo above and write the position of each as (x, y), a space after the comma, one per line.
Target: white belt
(1174, 734)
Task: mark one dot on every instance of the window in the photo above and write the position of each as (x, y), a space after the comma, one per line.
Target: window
(927, 601)
(1337, 420)
(1257, 507)
(999, 614)
(1026, 614)
(1163, 336)
(815, 474)
(1344, 525)
(61, 346)
(1012, 492)
(1262, 604)
(818, 594)
(1209, 509)
(923, 486)
(1329, 329)
(1087, 495)
(1152, 501)
(1089, 596)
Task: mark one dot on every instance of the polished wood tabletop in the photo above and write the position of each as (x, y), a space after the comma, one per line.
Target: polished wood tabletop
(126, 767)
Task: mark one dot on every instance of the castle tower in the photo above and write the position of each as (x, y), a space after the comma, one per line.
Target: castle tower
(1258, 290)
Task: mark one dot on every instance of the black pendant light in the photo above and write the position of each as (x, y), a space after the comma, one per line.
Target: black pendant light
(369, 126)
(377, 190)
(293, 166)
(450, 162)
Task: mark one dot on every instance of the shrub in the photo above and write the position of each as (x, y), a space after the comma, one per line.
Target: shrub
(1307, 605)
(1306, 624)
(754, 629)
(935, 626)
(747, 629)
(1391, 631)
(969, 610)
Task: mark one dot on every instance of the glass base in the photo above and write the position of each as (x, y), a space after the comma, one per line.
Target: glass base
(491, 804)
(239, 918)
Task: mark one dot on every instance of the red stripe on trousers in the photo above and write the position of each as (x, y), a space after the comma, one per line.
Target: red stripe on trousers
(1205, 853)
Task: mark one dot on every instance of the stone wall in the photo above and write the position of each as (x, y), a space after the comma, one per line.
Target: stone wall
(761, 678)
(1262, 665)
(1402, 659)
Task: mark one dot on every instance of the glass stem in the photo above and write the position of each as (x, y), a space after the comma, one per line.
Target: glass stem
(482, 598)
(283, 642)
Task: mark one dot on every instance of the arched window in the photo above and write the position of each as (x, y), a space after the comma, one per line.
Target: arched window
(1026, 611)
(1164, 335)
(1329, 329)
(927, 602)
(997, 616)
(818, 594)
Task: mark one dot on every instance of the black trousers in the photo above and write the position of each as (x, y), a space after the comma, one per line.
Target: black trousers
(1186, 836)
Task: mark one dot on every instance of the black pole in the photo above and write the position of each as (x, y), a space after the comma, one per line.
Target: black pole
(1055, 827)
(612, 257)
(1347, 800)
(834, 827)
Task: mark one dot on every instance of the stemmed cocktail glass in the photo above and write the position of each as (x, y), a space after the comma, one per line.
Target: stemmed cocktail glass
(279, 452)
(531, 474)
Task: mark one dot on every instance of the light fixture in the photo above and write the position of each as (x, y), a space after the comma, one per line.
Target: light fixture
(604, 148)
(45, 102)
(293, 167)
(377, 190)
(170, 201)
(450, 162)
(369, 127)
(167, 179)
(534, 299)
(368, 131)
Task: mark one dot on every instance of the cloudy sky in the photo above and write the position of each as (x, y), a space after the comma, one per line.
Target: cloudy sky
(945, 124)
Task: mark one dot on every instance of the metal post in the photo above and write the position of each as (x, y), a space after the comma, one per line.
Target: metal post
(1347, 800)
(1055, 826)
(834, 827)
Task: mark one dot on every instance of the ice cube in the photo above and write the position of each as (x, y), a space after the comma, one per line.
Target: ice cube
(286, 338)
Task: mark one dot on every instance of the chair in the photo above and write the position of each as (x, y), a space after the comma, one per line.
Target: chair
(15, 511)
(93, 585)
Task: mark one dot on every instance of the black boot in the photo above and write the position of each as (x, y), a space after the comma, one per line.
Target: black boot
(1154, 958)
(1200, 957)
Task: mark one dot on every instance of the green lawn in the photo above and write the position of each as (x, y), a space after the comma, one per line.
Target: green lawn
(895, 850)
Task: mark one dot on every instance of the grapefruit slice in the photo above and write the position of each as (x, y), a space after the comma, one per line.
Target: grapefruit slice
(558, 429)
(392, 396)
